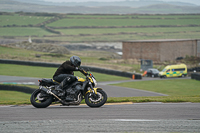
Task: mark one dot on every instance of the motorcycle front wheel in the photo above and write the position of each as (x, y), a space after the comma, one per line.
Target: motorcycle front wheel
(40, 99)
(97, 100)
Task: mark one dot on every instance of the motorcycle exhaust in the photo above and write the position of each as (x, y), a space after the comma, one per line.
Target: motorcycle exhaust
(49, 92)
(44, 89)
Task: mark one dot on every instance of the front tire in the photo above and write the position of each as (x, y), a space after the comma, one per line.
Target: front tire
(40, 102)
(96, 101)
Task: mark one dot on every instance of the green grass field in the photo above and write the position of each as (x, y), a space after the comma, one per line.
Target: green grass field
(171, 87)
(47, 72)
(179, 90)
(13, 97)
(121, 22)
(185, 27)
(18, 19)
(188, 91)
(17, 53)
(24, 31)
(137, 16)
(89, 58)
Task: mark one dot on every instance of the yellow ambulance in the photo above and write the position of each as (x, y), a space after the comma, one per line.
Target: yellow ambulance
(174, 71)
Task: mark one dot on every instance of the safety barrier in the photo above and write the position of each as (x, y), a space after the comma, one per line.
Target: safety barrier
(93, 69)
(17, 88)
(195, 76)
(197, 69)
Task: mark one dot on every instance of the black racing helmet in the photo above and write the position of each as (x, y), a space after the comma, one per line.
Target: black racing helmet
(76, 61)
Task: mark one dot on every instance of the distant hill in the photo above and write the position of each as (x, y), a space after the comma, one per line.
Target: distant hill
(90, 3)
(122, 7)
(168, 9)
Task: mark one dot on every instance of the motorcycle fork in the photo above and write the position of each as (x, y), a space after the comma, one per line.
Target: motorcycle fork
(91, 88)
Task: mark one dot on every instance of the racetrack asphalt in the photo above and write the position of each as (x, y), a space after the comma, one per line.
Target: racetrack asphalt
(112, 91)
(125, 118)
(118, 118)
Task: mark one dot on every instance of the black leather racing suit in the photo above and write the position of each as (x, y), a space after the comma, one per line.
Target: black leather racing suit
(64, 74)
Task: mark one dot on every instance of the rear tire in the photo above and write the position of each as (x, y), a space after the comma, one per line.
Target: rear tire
(38, 102)
(98, 101)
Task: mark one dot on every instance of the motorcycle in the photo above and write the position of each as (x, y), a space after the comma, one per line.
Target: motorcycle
(78, 90)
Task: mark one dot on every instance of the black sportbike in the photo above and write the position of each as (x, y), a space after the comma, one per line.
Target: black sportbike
(78, 90)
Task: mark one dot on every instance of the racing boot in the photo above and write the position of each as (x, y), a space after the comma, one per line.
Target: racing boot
(59, 88)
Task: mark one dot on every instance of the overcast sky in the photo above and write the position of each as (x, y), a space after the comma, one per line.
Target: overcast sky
(197, 2)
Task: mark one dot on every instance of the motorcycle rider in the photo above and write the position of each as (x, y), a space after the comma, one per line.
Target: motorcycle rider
(65, 75)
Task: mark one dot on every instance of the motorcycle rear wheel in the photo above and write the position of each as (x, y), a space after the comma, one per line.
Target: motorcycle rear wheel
(38, 102)
(97, 101)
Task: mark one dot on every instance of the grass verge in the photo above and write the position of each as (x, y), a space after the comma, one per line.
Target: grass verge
(14, 98)
(181, 90)
(171, 86)
(164, 99)
(19, 98)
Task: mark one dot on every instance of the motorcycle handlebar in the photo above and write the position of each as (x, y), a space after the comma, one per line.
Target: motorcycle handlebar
(83, 71)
